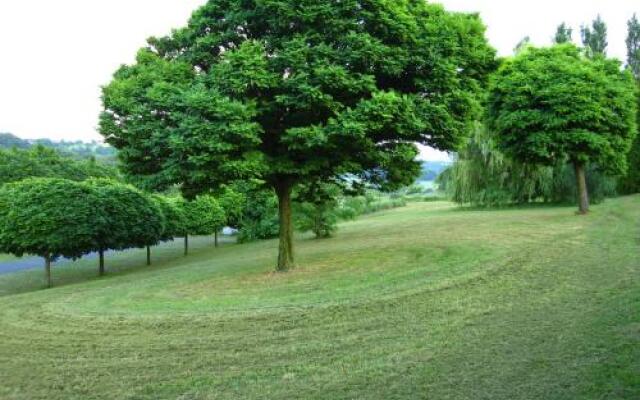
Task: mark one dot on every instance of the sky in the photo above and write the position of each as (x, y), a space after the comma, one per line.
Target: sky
(55, 55)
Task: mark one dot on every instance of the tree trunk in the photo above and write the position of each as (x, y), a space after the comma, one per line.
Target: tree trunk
(215, 236)
(186, 244)
(285, 250)
(148, 255)
(101, 262)
(581, 181)
(47, 269)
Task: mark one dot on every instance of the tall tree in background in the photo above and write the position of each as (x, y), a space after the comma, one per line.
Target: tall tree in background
(633, 46)
(293, 91)
(631, 182)
(563, 34)
(553, 105)
(594, 38)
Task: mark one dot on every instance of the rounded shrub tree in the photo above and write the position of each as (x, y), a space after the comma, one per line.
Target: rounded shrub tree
(47, 217)
(173, 212)
(552, 105)
(125, 218)
(203, 216)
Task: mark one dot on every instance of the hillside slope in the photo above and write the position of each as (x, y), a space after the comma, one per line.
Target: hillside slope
(427, 301)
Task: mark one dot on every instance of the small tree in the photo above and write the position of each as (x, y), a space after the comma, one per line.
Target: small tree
(316, 209)
(174, 219)
(554, 105)
(125, 218)
(47, 217)
(204, 216)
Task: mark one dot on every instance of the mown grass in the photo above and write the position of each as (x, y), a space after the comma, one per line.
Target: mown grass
(421, 302)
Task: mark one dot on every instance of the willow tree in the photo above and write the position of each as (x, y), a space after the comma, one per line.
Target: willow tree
(553, 105)
(292, 91)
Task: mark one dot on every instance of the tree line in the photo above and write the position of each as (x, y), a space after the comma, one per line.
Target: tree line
(54, 217)
(54, 206)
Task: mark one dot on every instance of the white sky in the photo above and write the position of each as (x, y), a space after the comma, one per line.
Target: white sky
(55, 55)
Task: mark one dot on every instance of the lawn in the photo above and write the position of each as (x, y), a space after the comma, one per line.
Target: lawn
(423, 302)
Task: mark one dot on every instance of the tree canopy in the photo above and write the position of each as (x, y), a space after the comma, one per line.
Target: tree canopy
(291, 91)
(47, 217)
(204, 216)
(550, 105)
(125, 218)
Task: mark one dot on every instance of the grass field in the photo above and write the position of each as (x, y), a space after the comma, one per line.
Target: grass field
(422, 302)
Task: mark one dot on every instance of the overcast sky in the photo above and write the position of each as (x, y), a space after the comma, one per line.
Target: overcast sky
(55, 55)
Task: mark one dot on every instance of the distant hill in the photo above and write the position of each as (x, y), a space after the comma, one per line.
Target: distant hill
(75, 148)
(431, 169)
(8, 141)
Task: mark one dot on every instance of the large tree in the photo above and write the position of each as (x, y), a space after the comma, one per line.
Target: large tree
(291, 91)
(554, 104)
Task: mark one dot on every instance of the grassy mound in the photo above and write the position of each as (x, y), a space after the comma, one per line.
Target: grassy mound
(426, 301)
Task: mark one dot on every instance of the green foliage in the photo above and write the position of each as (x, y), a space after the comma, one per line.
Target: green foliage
(631, 182)
(233, 202)
(39, 161)
(594, 38)
(75, 149)
(47, 217)
(204, 215)
(633, 46)
(563, 34)
(483, 176)
(173, 212)
(259, 216)
(350, 207)
(124, 216)
(315, 209)
(291, 92)
(553, 105)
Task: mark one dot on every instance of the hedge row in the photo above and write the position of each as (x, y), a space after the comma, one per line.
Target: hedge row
(54, 218)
